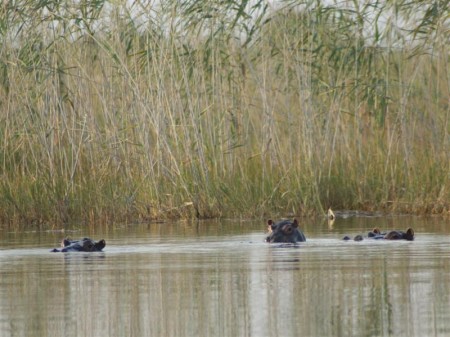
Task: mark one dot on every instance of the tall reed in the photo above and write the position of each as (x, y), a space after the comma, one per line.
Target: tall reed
(123, 112)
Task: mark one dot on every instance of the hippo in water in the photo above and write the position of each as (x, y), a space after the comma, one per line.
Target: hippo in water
(356, 238)
(83, 245)
(392, 235)
(376, 234)
(285, 231)
(399, 235)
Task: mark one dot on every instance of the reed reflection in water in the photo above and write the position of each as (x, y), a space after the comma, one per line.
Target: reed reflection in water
(229, 285)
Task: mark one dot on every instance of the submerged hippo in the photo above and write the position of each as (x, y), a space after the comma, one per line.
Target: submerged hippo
(376, 234)
(285, 231)
(392, 235)
(83, 245)
(399, 235)
(356, 238)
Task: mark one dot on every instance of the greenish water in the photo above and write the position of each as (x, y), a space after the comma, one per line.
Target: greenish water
(221, 279)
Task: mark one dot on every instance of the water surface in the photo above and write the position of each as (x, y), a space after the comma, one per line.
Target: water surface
(220, 279)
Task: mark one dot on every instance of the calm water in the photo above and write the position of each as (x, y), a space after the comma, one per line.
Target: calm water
(221, 279)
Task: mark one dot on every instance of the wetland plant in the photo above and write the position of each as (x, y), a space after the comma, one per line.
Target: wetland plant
(123, 111)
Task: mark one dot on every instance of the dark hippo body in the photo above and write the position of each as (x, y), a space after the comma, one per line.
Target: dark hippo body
(83, 245)
(392, 235)
(285, 231)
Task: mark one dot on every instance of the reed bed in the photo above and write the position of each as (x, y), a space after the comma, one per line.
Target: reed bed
(120, 112)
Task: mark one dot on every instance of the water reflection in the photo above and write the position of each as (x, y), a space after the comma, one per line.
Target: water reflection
(222, 280)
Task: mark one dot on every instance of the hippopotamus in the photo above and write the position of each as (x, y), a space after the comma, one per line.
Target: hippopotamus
(392, 235)
(285, 231)
(376, 234)
(356, 238)
(399, 235)
(83, 245)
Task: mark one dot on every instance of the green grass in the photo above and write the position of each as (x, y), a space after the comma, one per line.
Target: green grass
(120, 113)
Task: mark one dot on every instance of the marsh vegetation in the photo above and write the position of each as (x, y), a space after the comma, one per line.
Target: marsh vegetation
(120, 111)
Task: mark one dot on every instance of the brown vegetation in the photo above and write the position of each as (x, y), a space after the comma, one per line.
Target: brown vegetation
(121, 112)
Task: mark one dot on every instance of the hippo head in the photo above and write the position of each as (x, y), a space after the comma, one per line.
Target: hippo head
(400, 235)
(284, 231)
(83, 245)
(376, 233)
(89, 245)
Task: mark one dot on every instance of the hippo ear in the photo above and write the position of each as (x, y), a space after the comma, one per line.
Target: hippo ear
(270, 225)
(410, 231)
(376, 230)
(295, 223)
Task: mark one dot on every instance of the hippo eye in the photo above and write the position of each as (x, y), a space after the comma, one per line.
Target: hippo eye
(288, 229)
